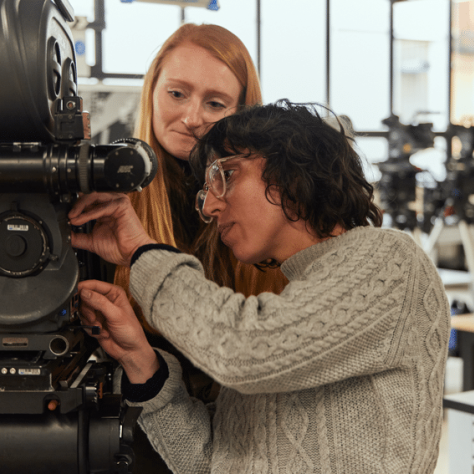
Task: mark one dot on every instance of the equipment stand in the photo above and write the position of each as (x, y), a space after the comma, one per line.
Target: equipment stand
(466, 232)
(416, 234)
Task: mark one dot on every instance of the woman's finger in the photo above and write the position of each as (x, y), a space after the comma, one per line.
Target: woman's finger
(86, 200)
(96, 210)
(82, 241)
(88, 314)
(102, 304)
(88, 203)
(113, 293)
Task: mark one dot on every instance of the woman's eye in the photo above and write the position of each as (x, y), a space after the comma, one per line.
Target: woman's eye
(228, 174)
(216, 105)
(176, 94)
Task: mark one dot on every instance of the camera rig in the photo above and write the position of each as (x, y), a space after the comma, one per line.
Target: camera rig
(398, 182)
(460, 175)
(58, 410)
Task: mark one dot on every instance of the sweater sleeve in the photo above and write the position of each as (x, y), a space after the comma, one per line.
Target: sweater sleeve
(177, 425)
(345, 315)
(153, 209)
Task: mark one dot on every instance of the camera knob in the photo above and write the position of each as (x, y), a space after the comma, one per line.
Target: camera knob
(23, 245)
(15, 246)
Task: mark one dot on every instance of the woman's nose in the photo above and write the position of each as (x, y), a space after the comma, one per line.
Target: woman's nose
(213, 206)
(193, 115)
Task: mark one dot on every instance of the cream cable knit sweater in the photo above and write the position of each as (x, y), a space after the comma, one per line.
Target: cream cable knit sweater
(342, 373)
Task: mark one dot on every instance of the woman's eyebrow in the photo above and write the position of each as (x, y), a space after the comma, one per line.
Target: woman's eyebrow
(211, 92)
(232, 160)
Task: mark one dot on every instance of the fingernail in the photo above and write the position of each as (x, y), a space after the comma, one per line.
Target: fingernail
(86, 294)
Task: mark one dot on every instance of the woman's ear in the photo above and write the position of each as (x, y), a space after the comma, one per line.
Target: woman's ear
(273, 194)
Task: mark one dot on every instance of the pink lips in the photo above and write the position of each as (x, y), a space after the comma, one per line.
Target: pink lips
(184, 134)
(224, 230)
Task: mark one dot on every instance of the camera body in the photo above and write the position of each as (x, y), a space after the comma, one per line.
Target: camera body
(58, 410)
(460, 175)
(398, 182)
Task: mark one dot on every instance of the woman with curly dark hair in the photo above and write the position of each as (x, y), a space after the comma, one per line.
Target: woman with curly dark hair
(342, 372)
(318, 176)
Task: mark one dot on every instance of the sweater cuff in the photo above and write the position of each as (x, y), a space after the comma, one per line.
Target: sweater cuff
(142, 392)
(145, 248)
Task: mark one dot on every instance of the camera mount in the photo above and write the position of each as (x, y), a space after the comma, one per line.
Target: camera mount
(58, 409)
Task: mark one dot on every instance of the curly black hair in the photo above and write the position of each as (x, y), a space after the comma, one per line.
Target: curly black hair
(312, 164)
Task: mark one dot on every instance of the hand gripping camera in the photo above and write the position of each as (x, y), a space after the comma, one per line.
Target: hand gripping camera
(58, 413)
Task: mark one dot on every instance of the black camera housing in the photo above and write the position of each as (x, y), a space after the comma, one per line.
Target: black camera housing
(58, 409)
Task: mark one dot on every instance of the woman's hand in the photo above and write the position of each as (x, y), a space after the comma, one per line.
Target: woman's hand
(121, 334)
(117, 232)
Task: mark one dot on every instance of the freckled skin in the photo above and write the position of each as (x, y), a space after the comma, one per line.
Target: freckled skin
(194, 89)
(253, 227)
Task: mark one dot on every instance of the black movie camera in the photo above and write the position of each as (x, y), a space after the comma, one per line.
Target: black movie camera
(459, 185)
(398, 182)
(452, 198)
(58, 412)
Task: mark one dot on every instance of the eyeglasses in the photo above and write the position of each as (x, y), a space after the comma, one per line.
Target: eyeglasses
(215, 182)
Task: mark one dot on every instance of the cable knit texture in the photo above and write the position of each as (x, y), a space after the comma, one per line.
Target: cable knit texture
(341, 373)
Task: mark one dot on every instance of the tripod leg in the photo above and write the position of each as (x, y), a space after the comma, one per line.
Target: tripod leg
(433, 238)
(416, 233)
(468, 244)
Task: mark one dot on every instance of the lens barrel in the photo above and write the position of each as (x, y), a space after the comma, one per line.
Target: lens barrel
(60, 169)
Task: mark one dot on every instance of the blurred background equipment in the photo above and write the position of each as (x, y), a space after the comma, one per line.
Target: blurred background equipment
(397, 186)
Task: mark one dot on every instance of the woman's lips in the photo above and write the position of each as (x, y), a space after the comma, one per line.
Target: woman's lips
(185, 134)
(224, 230)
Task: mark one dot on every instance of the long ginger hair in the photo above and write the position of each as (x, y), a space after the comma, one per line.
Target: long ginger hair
(163, 207)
